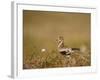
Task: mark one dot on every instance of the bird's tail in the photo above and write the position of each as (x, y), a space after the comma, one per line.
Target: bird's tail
(76, 49)
(82, 49)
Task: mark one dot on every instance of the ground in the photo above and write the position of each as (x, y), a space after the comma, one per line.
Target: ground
(55, 59)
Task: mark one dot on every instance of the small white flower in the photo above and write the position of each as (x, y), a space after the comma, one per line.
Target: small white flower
(43, 50)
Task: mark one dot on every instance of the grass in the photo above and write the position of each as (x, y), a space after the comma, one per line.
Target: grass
(54, 59)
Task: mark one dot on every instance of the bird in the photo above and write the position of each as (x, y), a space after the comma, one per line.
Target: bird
(64, 50)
